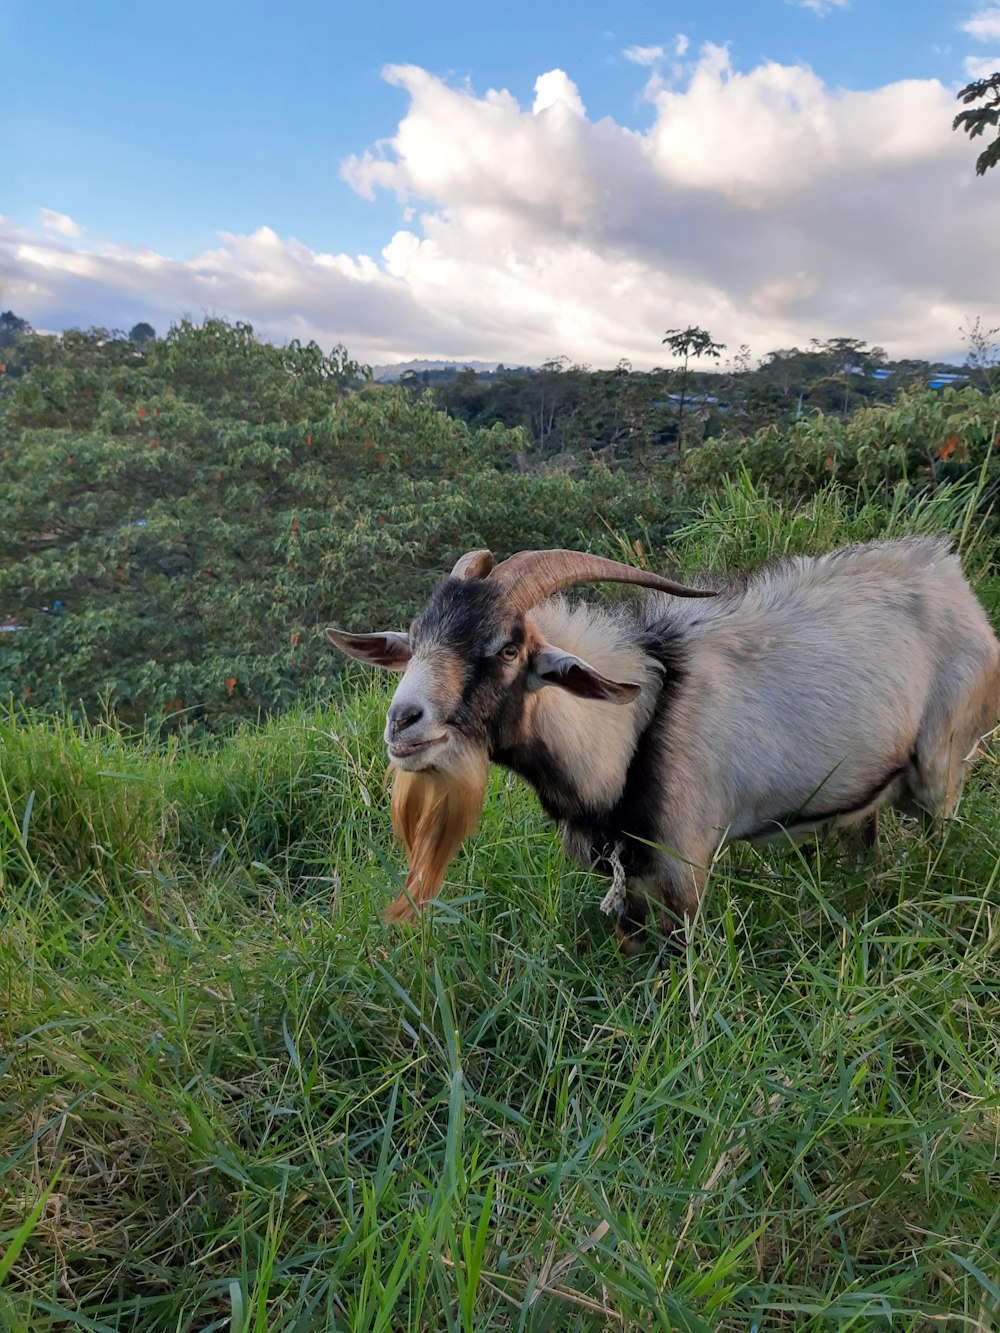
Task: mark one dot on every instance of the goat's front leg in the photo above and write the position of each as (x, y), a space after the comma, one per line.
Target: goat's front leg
(678, 884)
(631, 918)
(675, 887)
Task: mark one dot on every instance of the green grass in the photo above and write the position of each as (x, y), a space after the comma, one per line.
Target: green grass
(232, 1098)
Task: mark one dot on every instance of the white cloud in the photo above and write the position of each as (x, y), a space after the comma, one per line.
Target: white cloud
(557, 89)
(643, 55)
(981, 67)
(60, 223)
(821, 7)
(681, 44)
(984, 25)
(762, 205)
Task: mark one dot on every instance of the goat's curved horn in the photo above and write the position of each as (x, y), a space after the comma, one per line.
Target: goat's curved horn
(473, 565)
(531, 576)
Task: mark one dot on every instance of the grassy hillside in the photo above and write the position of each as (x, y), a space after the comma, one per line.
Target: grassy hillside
(233, 1099)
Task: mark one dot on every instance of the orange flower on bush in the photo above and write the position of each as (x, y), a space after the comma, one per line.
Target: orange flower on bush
(230, 684)
(949, 447)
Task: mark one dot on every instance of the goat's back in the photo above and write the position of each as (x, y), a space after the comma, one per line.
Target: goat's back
(807, 684)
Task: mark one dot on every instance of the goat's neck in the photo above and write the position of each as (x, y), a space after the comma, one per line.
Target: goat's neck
(576, 752)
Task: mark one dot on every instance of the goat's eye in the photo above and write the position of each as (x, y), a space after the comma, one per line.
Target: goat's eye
(510, 652)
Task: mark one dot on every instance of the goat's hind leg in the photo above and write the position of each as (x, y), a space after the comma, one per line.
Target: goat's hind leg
(860, 841)
(950, 740)
(937, 772)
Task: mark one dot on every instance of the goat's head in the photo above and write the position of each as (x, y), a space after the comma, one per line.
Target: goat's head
(468, 660)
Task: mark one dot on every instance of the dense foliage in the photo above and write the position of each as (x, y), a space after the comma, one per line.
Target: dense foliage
(182, 518)
(923, 439)
(183, 515)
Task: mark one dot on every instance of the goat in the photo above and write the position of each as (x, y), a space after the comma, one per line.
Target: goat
(780, 703)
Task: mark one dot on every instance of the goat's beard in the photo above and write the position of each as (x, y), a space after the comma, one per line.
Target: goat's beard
(432, 813)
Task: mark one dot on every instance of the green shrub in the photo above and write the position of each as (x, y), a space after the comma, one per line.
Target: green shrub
(926, 437)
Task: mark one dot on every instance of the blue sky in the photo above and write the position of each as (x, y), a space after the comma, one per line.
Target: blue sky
(159, 127)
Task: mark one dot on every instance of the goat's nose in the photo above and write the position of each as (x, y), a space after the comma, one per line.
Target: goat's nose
(404, 714)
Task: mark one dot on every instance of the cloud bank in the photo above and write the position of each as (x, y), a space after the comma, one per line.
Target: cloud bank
(764, 206)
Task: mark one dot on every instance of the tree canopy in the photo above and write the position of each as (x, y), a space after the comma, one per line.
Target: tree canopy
(11, 328)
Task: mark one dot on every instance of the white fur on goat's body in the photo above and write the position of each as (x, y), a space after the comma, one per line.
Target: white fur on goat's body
(594, 741)
(803, 690)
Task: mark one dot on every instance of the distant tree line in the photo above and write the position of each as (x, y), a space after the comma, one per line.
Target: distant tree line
(13, 327)
(573, 412)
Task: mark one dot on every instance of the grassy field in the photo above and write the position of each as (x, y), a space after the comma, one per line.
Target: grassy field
(231, 1098)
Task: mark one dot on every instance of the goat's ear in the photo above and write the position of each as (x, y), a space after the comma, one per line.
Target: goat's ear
(388, 649)
(551, 666)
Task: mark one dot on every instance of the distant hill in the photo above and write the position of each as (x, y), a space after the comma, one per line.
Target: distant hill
(397, 369)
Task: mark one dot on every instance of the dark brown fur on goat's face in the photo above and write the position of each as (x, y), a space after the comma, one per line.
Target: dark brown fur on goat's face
(468, 662)
(467, 673)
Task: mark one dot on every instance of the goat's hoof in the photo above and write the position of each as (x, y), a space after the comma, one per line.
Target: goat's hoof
(628, 942)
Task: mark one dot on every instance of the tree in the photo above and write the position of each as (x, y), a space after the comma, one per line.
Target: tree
(141, 333)
(689, 342)
(983, 357)
(977, 121)
(11, 328)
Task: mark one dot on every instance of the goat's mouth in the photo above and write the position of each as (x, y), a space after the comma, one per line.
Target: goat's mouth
(410, 754)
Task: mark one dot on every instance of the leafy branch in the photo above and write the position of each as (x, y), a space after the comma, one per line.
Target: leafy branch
(978, 120)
